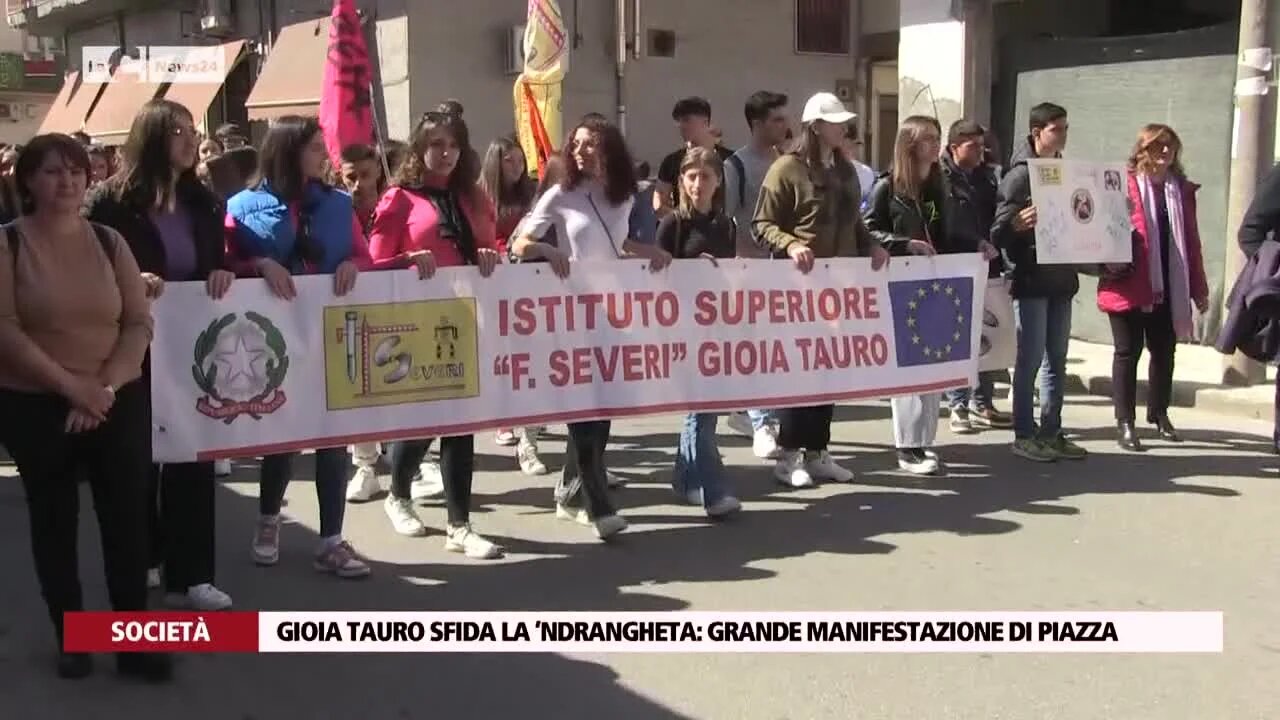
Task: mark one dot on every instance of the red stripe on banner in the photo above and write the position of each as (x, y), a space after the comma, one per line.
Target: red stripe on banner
(578, 416)
(182, 632)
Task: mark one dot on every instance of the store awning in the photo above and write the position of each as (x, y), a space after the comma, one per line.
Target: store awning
(197, 97)
(291, 78)
(121, 100)
(71, 106)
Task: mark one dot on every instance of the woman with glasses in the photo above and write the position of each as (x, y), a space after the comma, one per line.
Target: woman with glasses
(590, 212)
(1149, 301)
(437, 216)
(173, 225)
(292, 223)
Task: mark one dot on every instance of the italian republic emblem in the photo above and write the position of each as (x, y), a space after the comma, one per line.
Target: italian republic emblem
(240, 364)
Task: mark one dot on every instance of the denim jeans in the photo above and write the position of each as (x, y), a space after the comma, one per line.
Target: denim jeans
(1044, 331)
(331, 484)
(979, 397)
(698, 465)
(761, 418)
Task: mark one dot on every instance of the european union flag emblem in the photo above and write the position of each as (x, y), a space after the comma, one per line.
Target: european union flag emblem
(932, 320)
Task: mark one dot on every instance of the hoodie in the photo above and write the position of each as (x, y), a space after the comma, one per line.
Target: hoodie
(1029, 278)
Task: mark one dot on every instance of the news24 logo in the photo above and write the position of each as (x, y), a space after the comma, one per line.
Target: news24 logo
(154, 63)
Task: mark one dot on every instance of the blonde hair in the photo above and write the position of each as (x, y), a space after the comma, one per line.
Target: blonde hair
(1143, 159)
(911, 134)
(702, 159)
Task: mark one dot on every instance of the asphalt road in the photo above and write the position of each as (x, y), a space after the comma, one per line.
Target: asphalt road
(1178, 528)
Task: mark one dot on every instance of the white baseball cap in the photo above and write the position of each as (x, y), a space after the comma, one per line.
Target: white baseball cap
(827, 107)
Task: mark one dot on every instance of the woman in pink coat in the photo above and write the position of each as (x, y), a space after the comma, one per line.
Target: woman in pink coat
(1150, 299)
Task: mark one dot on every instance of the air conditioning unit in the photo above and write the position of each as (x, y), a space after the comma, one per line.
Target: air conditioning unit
(515, 50)
(216, 18)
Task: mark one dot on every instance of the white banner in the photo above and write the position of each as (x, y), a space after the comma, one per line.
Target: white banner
(1082, 212)
(999, 343)
(400, 357)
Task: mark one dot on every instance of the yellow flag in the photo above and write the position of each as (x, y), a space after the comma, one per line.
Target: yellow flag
(537, 91)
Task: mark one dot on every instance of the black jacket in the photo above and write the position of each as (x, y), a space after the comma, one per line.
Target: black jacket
(970, 207)
(1262, 219)
(894, 220)
(134, 222)
(1029, 278)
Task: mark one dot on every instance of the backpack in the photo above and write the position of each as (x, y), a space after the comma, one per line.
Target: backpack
(741, 172)
(99, 231)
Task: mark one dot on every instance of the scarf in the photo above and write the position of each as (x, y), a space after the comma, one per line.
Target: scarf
(453, 220)
(1178, 295)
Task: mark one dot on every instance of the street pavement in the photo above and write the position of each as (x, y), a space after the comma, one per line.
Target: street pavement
(1178, 528)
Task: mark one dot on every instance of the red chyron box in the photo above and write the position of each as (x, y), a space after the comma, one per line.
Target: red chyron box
(184, 632)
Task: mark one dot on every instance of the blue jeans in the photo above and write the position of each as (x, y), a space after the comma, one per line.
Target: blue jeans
(1044, 330)
(331, 484)
(760, 418)
(698, 465)
(980, 397)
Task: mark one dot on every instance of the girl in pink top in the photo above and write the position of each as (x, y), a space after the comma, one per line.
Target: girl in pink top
(436, 216)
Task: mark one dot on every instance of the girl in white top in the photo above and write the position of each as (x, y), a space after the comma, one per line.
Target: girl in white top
(589, 210)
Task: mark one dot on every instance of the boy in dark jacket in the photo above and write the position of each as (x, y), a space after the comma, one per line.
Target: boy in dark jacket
(970, 187)
(1042, 297)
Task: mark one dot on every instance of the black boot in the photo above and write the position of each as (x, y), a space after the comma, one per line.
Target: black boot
(1166, 429)
(1128, 436)
(154, 667)
(74, 666)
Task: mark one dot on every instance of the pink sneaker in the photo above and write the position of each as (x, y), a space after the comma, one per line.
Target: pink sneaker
(341, 560)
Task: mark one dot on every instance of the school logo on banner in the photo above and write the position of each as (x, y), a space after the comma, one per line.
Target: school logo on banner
(394, 353)
(240, 364)
(931, 320)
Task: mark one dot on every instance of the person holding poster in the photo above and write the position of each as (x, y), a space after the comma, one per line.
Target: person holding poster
(292, 222)
(436, 215)
(1042, 297)
(1150, 299)
(590, 211)
(699, 228)
(173, 225)
(808, 209)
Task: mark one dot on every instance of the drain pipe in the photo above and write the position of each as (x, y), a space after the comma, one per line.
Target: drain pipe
(620, 23)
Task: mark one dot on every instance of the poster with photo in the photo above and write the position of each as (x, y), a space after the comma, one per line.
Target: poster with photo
(1082, 212)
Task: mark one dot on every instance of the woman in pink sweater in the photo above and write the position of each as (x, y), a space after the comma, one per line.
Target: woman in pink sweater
(436, 216)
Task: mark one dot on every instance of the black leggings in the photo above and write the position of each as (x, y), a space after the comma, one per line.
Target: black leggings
(1129, 330)
(584, 479)
(115, 457)
(805, 428)
(457, 466)
(181, 523)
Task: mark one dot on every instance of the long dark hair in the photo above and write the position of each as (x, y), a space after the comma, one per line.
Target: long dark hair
(146, 172)
(280, 162)
(619, 169)
(505, 199)
(462, 181)
(808, 147)
(33, 156)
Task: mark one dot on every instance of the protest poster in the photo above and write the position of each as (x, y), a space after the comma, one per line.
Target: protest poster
(400, 357)
(998, 346)
(1082, 212)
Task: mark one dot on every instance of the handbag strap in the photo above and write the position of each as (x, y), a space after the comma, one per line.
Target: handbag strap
(608, 233)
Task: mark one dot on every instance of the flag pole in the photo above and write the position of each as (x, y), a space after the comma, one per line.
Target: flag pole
(377, 138)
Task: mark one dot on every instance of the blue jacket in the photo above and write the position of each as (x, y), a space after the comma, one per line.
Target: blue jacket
(264, 227)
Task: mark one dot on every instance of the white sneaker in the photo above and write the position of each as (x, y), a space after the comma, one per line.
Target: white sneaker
(462, 539)
(579, 515)
(221, 468)
(614, 481)
(790, 470)
(364, 485)
(430, 483)
(740, 423)
(609, 525)
(153, 578)
(404, 519)
(764, 443)
(918, 462)
(198, 597)
(726, 505)
(527, 456)
(505, 438)
(266, 540)
(824, 468)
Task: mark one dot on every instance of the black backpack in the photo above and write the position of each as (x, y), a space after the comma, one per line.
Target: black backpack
(99, 231)
(741, 171)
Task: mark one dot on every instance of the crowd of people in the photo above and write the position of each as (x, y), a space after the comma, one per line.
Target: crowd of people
(93, 236)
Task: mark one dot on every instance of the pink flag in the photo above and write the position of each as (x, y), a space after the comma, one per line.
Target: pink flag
(346, 105)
